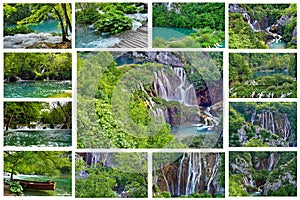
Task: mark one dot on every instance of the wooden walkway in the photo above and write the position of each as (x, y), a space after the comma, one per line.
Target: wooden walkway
(135, 39)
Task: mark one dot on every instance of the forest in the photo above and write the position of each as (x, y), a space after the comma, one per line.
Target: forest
(37, 123)
(37, 25)
(37, 75)
(188, 175)
(111, 175)
(188, 25)
(262, 26)
(263, 173)
(122, 100)
(263, 124)
(263, 75)
(101, 25)
(42, 166)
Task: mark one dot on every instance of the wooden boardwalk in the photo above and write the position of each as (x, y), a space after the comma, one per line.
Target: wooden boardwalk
(135, 39)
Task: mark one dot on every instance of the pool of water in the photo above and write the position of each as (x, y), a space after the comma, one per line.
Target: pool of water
(48, 26)
(38, 138)
(35, 89)
(278, 45)
(186, 131)
(63, 185)
(268, 73)
(170, 32)
(124, 59)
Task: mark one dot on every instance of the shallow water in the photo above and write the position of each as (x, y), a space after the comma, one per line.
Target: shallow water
(38, 138)
(170, 32)
(35, 89)
(278, 45)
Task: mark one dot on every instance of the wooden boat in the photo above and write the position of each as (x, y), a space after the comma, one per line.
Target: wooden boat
(36, 185)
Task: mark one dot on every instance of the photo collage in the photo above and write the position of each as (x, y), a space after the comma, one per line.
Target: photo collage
(149, 99)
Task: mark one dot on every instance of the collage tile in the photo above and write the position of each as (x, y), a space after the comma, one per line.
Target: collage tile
(149, 99)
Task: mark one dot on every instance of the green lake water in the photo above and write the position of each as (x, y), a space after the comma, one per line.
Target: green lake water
(35, 89)
(278, 45)
(63, 186)
(170, 32)
(48, 26)
(29, 138)
(185, 131)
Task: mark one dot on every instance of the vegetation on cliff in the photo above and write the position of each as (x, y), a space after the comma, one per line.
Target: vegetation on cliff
(114, 175)
(263, 124)
(257, 26)
(263, 174)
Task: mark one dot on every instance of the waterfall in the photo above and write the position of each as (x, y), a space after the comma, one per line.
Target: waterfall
(247, 17)
(253, 116)
(169, 6)
(287, 128)
(169, 89)
(215, 171)
(276, 36)
(179, 174)
(156, 112)
(271, 163)
(210, 117)
(43, 70)
(189, 175)
(164, 176)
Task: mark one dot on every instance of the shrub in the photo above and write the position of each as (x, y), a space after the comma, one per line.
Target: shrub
(113, 22)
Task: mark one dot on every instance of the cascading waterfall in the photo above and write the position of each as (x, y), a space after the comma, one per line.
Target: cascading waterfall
(268, 121)
(92, 158)
(179, 174)
(277, 37)
(165, 178)
(287, 127)
(253, 116)
(271, 163)
(215, 171)
(169, 90)
(210, 117)
(194, 162)
(155, 111)
(247, 17)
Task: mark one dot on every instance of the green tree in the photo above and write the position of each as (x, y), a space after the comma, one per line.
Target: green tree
(50, 163)
(62, 11)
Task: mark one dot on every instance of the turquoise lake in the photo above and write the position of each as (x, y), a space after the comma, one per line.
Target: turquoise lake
(35, 89)
(170, 32)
